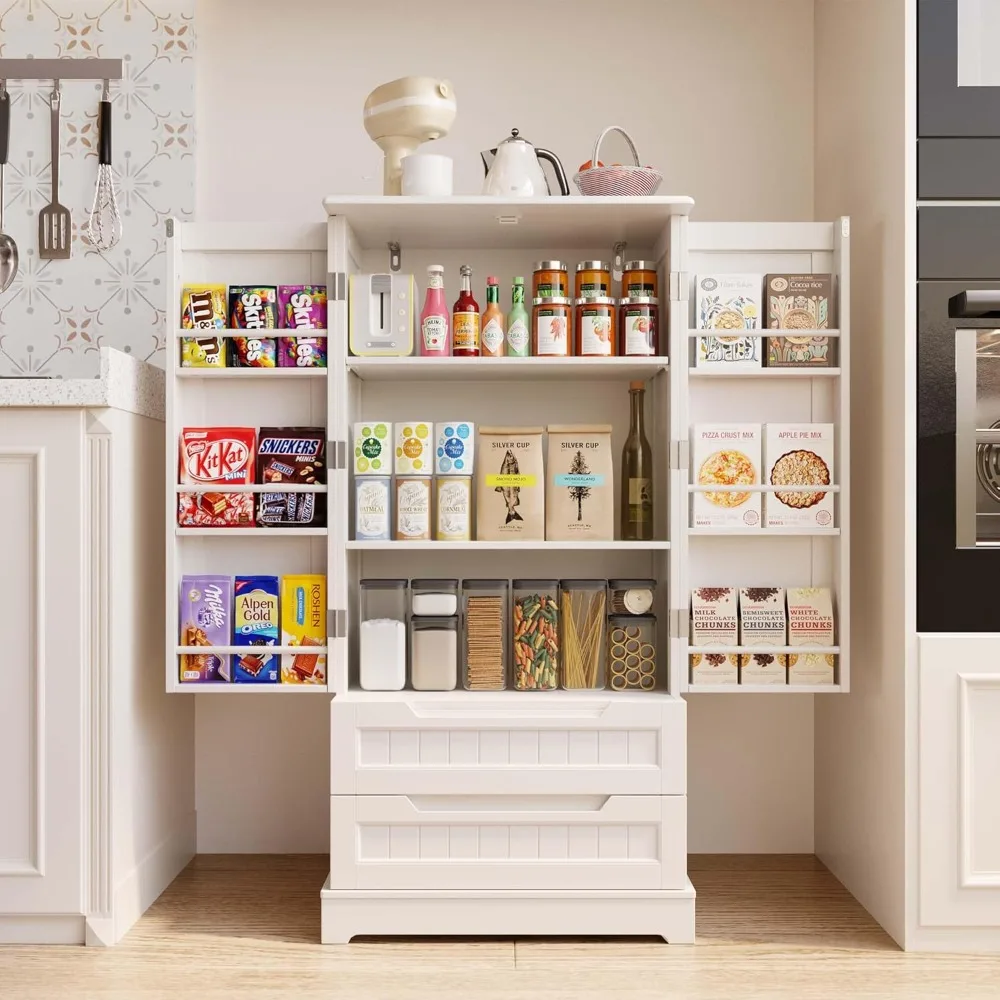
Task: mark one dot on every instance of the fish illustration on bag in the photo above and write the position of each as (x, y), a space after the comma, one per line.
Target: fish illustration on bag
(511, 494)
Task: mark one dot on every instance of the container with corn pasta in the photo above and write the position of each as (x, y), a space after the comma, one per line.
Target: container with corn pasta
(536, 635)
(583, 607)
(632, 652)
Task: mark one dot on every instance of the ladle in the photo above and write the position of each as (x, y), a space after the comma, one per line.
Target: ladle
(8, 248)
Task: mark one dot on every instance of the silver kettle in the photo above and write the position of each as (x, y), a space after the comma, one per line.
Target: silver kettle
(513, 170)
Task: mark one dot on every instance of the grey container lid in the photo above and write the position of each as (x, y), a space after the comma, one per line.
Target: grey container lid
(385, 584)
(632, 584)
(433, 584)
(583, 584)
(535, 584)
(484, 584)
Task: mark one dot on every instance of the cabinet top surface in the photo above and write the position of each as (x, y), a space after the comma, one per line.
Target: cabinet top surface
(124, 383)
(471, 221)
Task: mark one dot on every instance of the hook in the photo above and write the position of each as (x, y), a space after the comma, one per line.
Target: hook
(56, 92)
(106, 92)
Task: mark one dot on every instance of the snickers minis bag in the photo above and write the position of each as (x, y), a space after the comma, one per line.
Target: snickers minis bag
(293, 456)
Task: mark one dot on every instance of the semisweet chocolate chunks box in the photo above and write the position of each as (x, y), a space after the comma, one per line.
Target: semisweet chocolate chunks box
(799, 302)
(763, 623)
(714, 622)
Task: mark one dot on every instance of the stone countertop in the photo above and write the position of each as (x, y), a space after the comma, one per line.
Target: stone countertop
(125, 383)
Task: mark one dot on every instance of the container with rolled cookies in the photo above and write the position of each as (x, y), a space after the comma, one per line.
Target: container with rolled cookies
(632, 652)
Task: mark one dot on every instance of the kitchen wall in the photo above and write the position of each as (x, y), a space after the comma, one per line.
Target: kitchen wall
(57, 314)
(279, 103)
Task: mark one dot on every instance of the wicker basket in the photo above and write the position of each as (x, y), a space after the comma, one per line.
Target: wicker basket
(618, 180)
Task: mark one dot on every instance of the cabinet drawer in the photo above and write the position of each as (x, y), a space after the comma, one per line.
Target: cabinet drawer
(508, 842)
(524, 743)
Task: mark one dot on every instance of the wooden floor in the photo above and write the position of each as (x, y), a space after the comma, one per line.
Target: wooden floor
(248, 927)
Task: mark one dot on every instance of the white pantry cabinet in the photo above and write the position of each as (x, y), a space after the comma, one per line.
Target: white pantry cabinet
(86, 732)
(959, 782)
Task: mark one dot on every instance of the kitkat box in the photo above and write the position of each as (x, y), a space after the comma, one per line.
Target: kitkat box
(216, 456)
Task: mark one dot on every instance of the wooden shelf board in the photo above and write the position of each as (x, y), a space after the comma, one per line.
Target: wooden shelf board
(505, 369)
(511, 546)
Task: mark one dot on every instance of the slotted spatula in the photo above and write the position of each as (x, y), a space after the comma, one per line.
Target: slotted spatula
(55, 224)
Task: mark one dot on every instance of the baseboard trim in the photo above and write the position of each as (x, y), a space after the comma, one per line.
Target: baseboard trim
(32, 929)
(956, 940)
(669, 914)
(141, 887)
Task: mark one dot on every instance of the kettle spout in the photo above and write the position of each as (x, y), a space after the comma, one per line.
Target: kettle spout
(488, 156)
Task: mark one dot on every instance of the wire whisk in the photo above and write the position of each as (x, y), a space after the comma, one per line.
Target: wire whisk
(104, 224)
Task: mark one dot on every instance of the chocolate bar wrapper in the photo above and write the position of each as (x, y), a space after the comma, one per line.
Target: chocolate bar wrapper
(215, 456)
(255, 625)
(253, 307)
(215, 510)
(205, 620)
(303, 308)
(203, 308)
(291, 455)
(303, 623)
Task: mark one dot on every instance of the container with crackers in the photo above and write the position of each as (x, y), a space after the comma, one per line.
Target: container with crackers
(484, 630)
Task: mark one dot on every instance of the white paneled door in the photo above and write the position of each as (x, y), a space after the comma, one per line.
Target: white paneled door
(41, 857)
(960, 781)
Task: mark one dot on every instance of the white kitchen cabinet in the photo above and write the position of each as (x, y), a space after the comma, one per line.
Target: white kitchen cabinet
(959, 782)
(96, 804)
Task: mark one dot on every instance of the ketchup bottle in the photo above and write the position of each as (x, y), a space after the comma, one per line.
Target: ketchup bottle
(435, 320)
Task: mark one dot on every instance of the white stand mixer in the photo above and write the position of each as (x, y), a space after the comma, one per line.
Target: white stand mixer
(401, 115)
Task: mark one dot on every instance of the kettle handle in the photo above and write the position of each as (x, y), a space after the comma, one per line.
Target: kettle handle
(545, 154)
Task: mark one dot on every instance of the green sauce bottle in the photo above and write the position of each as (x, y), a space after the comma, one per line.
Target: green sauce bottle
(518, 331)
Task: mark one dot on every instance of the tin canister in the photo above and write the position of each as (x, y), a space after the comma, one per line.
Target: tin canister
(454, 509)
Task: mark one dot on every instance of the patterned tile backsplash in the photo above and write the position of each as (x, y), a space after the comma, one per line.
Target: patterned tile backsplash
(57, 314)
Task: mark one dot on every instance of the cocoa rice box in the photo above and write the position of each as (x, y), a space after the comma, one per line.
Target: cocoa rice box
(714, 622)
(810, 623)
(799, 456)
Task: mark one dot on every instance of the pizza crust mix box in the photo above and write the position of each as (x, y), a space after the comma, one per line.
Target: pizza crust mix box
(726, 455)
(799, 455)
(303, 623)
(714, 623)
(728, 303)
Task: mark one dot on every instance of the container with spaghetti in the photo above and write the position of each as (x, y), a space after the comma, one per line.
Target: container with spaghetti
(583, 606)
(632, 652)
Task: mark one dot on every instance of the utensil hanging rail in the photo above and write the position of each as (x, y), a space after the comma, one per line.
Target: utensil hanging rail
(61, 69)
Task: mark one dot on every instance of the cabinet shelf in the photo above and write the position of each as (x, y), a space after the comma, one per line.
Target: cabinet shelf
(251, 532)
(802, 650)
(251, 373)
(528, 703)
(244, 488)
(221, 687)
(766, 373)
(509, 546)
(764, 689)
(793, 532)
(505, 369)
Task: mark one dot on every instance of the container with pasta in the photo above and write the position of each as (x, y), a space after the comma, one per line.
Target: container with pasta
(535, 621)
(632, 652)
(583, 608)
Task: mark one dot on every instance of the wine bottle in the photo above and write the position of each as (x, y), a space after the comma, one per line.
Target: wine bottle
(637, 474)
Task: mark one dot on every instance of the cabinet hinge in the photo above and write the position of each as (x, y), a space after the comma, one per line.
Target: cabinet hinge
(336, 623)
(680, 282)
(679, 628)
(170, 228)
(395, 257)
(678, 454)
(336, 454)
(337, 291)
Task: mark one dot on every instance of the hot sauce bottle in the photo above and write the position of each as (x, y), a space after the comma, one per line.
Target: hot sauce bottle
(465, 319)
(492, 321)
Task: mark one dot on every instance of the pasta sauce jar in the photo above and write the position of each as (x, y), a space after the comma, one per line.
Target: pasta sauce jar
(640, 279)
(551, 279)
(593, 279)
(639, 326)
(595, 327)
(550, 329)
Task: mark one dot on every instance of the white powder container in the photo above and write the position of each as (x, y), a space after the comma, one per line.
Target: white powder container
(383, 655)
(434, 654)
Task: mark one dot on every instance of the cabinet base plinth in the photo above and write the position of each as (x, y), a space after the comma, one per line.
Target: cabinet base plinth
(384, 913)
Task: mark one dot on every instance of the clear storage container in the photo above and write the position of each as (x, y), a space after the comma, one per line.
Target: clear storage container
(632, 652)
(583, 606)
(484, 634)
(434, 654)
(631, 597)
(382, 635)
(535, 635)
(434, 598)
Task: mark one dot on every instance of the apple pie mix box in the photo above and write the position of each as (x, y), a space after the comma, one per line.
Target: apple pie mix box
(256, 626)
(798, 302)
(726, 455)
(762, 623)
(303, 623)
(714, 622)
(810, 623)
(729, 304)
(799, 455)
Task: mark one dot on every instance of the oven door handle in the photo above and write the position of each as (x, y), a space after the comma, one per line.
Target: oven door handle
(975, 303)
